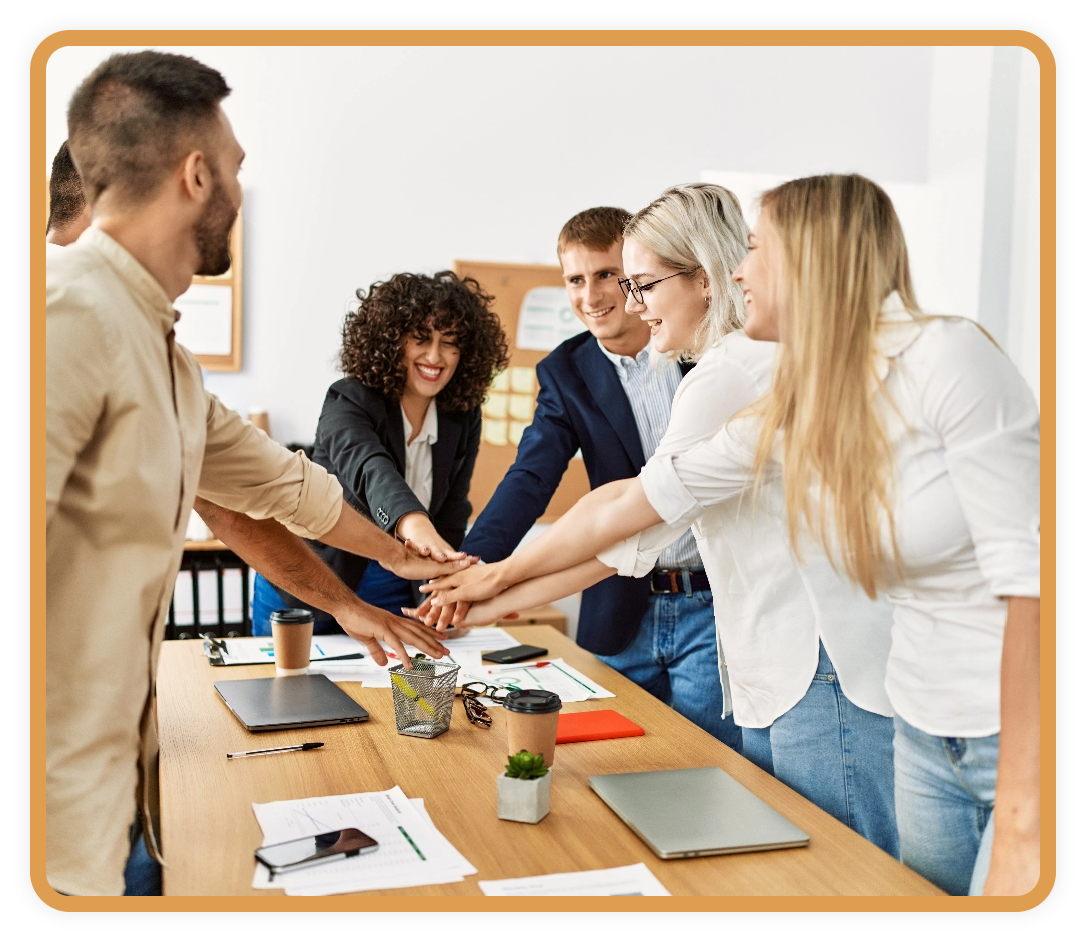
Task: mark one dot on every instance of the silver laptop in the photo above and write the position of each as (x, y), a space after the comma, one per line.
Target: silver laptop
(695, 813)
(267, 703)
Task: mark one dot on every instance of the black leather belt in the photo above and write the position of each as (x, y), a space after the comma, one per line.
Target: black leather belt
(670, 581)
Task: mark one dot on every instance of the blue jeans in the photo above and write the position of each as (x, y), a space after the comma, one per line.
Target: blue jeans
(835, 755)
(378, 587)
(142, 873)
(945, 788)
(673, 656)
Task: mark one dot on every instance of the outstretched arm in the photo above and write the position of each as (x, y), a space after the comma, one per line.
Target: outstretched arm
(356, 534)
(284, 559)
(598, 520)
(1016, 844)
(524, 595)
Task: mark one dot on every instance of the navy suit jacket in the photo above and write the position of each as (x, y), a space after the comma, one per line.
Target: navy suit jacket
(581, 405)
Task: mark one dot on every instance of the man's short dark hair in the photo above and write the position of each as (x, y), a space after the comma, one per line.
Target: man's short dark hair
(598, 228)
(66, 199)
(136, 115)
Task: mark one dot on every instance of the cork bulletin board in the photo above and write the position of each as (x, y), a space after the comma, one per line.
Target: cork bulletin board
(210, 324)
(511, 404)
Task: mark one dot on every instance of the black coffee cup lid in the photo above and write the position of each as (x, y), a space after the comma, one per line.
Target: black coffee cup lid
(533, 701)
(291, 616)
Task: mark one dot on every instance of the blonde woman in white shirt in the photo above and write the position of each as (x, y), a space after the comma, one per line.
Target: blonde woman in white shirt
(805, 650)
(908, 447)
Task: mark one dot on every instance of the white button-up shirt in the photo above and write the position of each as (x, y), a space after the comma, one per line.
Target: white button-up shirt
(419, 458)
(965, 434)
(770, 610)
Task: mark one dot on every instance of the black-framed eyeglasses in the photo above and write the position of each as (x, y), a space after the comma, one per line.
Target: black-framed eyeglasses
(629, 286)
(474, 707)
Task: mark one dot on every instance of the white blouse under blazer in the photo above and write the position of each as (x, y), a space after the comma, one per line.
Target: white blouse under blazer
(771, 611)
(965, 434)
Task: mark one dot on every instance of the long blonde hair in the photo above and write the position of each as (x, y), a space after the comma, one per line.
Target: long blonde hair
(699, 227)
(843, 253)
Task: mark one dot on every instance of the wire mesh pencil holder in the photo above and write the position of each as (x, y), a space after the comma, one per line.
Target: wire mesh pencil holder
(423, 698)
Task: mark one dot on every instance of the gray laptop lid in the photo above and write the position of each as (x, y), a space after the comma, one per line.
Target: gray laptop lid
(695, 812)
(289, 702)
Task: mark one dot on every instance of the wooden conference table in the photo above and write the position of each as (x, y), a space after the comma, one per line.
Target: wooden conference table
(209, 831)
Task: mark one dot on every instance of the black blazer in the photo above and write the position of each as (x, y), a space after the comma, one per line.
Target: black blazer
(581, 405)
(360, 440)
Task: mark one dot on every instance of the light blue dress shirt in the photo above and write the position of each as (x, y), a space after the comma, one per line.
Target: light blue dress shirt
(650, 394)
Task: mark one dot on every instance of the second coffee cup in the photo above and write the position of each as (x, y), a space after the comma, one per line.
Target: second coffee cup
(532, 721)
(292, 635)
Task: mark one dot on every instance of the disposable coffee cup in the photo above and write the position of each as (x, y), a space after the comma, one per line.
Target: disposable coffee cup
(292, 635)
(531, 717)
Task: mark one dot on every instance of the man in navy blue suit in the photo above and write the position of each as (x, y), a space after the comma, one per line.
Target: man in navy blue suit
(599, 395)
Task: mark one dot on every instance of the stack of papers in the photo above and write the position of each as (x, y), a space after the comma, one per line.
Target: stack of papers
(259, 650)
(635, 880)
(343, 660)
(556, 676)
(411, 851)
(465, 651)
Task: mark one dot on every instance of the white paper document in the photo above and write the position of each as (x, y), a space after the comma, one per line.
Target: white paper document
(546, 319)
(261, 650)
(411, 851)
(556, 676)
(635, 880)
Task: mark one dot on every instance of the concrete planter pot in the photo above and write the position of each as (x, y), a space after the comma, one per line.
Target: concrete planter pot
(522, 799)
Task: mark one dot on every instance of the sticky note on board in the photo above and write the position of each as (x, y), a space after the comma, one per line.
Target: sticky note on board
(494, 432)
(501, 382)
(520, 407)
(523, 379)
(516, 430)
(496, 405)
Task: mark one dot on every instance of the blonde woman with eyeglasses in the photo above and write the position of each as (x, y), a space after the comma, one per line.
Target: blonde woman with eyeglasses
(909, 450)
(805, 650)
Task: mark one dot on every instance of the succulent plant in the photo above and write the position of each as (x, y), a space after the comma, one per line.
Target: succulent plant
(525, 765)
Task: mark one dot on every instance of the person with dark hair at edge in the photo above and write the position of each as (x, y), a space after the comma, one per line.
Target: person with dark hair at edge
(600, 394)
(134, 442)
(69, 213)
(401, 430)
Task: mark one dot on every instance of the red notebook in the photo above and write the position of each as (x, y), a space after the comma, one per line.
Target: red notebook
(595, 724)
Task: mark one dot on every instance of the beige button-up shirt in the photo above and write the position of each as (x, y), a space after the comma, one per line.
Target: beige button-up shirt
(131, 437)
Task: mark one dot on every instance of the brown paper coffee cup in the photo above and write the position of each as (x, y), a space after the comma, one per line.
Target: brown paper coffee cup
(531, 719)
(292, 636)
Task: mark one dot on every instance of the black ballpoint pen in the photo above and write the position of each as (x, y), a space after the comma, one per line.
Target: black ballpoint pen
(302, 747)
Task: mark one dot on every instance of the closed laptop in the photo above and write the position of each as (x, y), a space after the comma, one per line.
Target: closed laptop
(695, 813)
(268, 703)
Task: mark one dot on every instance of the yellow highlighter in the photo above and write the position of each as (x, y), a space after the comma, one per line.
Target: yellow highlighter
(408, 691)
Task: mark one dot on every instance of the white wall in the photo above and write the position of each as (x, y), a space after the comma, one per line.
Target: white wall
(972, 221)
(362, 162)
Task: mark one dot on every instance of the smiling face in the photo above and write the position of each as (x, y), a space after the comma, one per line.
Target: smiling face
(591, 278)
(673, 309)
(430, 357)
(759, 275)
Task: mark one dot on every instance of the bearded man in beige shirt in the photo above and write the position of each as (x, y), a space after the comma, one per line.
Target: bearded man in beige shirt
(133, 442)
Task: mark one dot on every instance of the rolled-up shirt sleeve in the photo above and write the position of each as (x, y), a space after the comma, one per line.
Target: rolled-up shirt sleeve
(990, 426)
(244, 470)
(681, 486)
(637, 555)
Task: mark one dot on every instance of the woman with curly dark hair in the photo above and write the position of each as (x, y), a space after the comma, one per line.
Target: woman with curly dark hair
(401, 430)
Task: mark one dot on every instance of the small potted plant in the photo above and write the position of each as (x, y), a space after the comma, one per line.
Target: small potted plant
(524, 789)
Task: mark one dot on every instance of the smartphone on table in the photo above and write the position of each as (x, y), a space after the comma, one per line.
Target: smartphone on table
(522, 652)
(307, 851)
